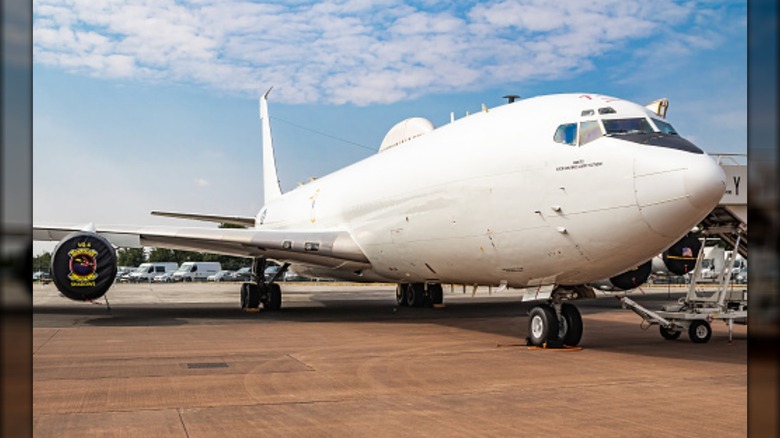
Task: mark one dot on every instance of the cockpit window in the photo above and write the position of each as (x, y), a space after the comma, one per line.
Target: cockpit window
(566, 134)
(664, 127)
(627, 126)
(589, 131)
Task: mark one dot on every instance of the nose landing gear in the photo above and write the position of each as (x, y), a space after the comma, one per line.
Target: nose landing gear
(556, 323)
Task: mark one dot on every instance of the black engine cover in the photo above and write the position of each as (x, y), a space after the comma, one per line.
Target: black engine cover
(681, 257)
(83, 266)
(633, 277)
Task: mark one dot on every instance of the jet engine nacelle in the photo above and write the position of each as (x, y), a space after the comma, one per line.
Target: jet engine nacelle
(83, 266)
(632, 278)
(680, 258)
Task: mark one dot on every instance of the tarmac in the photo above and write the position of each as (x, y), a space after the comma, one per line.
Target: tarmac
(183, 360)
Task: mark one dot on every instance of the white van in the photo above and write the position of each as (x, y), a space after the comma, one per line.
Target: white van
(147, 271)
(191, 271)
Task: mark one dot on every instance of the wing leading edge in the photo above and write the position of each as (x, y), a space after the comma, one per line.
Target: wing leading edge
(323, 248)
(234, 220)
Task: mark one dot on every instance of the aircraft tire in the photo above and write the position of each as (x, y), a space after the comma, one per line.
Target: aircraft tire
(542, 326)
(436, 293)
(253, 296)
(244, 292)
(669, 334)
(415, 295)
(274, 298)
(400, 296)
(699, 331)
(573, 321)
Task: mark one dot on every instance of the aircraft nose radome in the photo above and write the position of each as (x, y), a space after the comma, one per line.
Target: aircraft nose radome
(675, 190)
(705, 183)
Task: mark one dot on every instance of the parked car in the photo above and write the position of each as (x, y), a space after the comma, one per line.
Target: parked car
(270, 272)
(244, 274)
(221, 276)
(165, 277)
(122, 270)
(291, 275)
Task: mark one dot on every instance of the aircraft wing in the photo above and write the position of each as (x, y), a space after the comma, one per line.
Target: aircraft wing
(235, 220)
(323, 248)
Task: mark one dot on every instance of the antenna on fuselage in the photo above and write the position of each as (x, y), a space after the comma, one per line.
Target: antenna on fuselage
(271, 189)
(511, 98)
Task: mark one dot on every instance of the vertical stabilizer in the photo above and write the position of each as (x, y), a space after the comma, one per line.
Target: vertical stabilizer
(271, 189)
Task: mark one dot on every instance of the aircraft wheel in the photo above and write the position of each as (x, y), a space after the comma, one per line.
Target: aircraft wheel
(542, 326)
(572, 325)
(414, 295)
(400, 297)
(669, 334)
(244, 295)
(253, 296)
(274, 297)
(435, 293)
(699, 331)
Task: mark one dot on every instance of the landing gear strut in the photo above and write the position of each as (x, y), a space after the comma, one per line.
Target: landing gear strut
(269, 294)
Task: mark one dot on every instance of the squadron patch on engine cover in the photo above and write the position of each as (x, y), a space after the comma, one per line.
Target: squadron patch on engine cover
(83, 265)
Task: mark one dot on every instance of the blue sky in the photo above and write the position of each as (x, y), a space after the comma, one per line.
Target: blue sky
(140, 106)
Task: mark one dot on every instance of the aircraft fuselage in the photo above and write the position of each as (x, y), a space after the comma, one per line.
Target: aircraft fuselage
(494, 197)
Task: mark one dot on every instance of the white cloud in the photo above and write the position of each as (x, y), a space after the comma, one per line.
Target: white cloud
(356, 51)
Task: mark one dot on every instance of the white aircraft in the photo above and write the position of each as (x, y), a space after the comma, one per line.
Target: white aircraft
(552, 192)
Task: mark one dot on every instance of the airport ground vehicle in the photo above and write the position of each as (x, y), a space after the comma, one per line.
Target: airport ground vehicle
(694, 312)
(196, 271)
(147, 271)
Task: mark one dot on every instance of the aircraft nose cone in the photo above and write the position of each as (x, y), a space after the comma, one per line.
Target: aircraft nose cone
(675, 190)
(705, 183)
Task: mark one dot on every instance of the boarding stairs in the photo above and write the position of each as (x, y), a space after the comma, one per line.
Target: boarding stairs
(729, 219)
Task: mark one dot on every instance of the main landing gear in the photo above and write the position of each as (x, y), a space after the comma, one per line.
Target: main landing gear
(269, 294)
(419, 294)
(554, 325)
